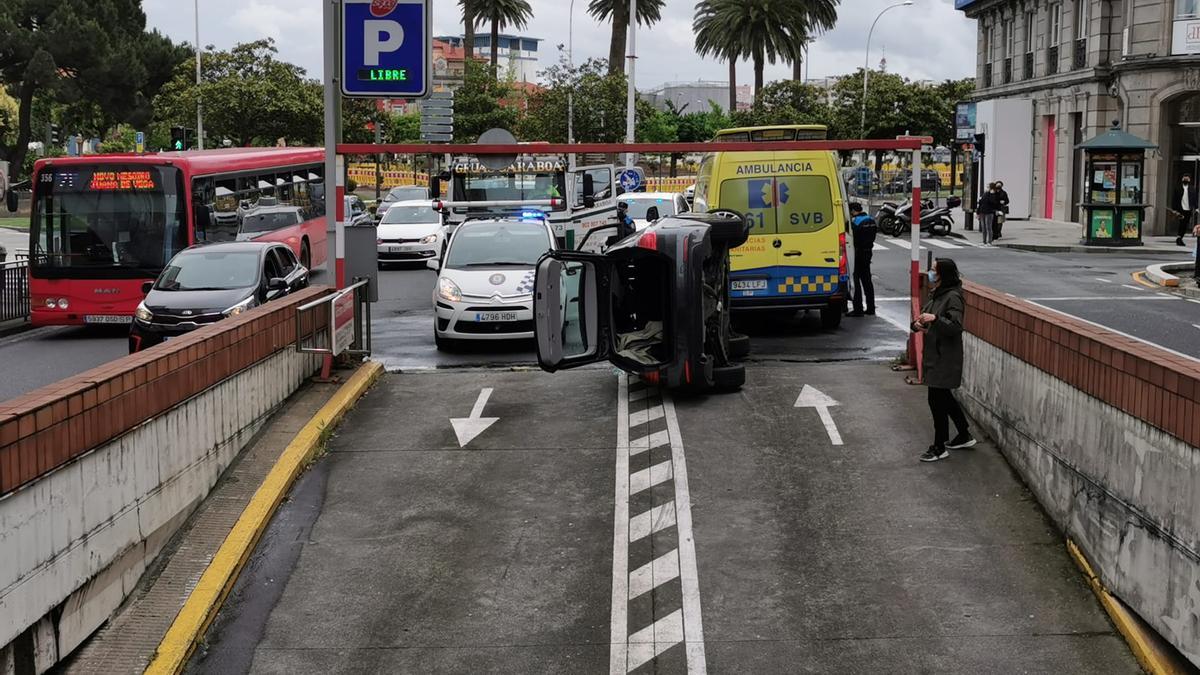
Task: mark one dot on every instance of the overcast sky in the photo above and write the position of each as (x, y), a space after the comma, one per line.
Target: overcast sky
(928, 40)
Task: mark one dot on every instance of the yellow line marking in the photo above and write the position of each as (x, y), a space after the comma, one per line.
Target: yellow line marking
(1148, 654)
(206, 598)
(1140, 277)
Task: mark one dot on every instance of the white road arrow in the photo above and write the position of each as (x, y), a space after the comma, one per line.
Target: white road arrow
(811, 397)
(467, 428)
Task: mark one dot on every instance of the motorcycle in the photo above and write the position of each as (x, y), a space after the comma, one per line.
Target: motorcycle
(936, 221)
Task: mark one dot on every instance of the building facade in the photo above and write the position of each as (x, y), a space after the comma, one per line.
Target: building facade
(1083, 64)
(517, 55)
(697, 96)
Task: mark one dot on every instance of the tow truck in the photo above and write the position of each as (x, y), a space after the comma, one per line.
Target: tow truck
(576, 200)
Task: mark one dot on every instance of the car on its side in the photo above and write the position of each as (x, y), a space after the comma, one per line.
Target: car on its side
(689, 194)
(655, 304)
(484, 289)
(398, 195)
(667, 203)
(410, 231)
(204, 284)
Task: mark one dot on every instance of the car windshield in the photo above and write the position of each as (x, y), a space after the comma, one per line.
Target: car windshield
(498, 244)
(407, 193)
(639, 208)
(509, 187)
(202, 270)
(410, 215)
(269, 221)
(107, 220)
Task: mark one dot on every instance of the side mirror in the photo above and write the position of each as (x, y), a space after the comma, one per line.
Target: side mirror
(652, 214)
(10, 200)
(147, 286)
(277, 284)
(434, 264)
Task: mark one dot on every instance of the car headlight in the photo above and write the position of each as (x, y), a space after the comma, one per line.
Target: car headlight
(431, 239)
(142, 314)
(242, 306)
(448, 290)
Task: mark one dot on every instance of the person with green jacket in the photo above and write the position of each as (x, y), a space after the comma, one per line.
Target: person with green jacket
(941, 321)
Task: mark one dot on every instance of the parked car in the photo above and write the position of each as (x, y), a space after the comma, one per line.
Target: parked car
(404, 193)
(931, 181)
(204, 284)
(484, 289)
(410, 231)
(655, 304)
(668, 204)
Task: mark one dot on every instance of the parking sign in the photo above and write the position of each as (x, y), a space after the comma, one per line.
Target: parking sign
(387, 48)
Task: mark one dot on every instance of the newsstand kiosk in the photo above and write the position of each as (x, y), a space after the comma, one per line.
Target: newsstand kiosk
(1113, 207)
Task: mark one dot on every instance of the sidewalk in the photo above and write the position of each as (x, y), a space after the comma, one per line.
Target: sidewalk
(1054, 236)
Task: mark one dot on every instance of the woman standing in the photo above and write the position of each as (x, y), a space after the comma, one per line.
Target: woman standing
(942, 323)
(986, 209)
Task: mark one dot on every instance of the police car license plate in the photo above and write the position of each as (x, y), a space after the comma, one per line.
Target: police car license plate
(495, 316)
(105, 318)
(749, 285)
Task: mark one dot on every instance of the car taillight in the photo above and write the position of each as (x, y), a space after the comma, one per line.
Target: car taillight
(843, 263)
(649, 239)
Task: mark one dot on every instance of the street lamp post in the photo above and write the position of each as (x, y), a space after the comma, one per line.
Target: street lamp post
(630, 116)
(571, 60)
(199, 105)
(867, 64)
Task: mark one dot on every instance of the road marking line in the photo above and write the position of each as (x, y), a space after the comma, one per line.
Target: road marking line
(941, 244)
(1117, 332)
(648, 478)
(1140, 279)
(879, 247)
(1139, 298)
(830, 427)
(689, 577)
(638, 394)
(1196, 325)
(1194, 300)
(619, 619)
(649, 442)
(1169, 296)
(901, 243)
(1136, 288)
(655, 639)
(658, 518)
(642, 416)
(1107, 281)
(654, 574)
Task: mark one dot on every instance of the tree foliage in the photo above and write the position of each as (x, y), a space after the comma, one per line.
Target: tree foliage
(897, 106)
(483, 103)
(500, 14)
(649, 12)
(600, 104)
(95, 57)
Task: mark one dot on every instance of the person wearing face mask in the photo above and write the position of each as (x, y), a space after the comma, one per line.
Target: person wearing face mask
(1184, 205)
(1001, 210)
(941, 322)
(986, 209)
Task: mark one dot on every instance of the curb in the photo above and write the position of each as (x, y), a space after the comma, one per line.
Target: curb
(1146, 645)
(1161, 273)
(206, 598)
(1068, 248)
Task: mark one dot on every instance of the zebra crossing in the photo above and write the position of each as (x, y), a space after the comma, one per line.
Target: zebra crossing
(926, 242)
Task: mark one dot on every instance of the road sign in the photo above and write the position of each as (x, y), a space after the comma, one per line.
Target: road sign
(442, 96)
(437, 138)
(630, 180)
(437, 119)
(437, 108)
(386, 48)
(437, 128)
(140, 142)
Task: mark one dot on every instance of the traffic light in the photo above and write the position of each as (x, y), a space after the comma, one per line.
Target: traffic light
(979, 143)
(181, 138)
(55, 139)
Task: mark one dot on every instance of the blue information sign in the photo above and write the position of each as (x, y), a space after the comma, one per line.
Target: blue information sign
(387, 48)
(630, 180)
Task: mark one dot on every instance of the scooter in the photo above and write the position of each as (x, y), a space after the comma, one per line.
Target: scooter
(936, 221)
(893, 219)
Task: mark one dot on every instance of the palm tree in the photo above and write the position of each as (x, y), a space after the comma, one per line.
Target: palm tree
(767, 30)
(501, 14)
(649, 13)
(468, 13)
(821, 16)
(712, 39)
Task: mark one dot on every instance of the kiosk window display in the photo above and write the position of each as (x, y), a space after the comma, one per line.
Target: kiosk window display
(1113, 207)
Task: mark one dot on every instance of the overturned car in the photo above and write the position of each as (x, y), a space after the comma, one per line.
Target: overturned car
(655, 303)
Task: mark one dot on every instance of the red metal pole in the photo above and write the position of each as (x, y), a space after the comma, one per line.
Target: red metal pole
(916, 340)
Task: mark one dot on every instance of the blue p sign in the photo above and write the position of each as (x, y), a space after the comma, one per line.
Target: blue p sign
(387, 48)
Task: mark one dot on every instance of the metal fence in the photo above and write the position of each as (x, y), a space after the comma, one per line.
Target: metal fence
(14, 289)
(874, 188)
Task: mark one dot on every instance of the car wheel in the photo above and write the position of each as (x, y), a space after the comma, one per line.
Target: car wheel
(443, 344)
(831, 316)
(305, 256)
(729, 377)
(739, 346)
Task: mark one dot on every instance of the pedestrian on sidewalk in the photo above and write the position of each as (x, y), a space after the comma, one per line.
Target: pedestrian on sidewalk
(986, 210)
(1184, 206)
(864, 229)
(941, 322)
(1001, 210)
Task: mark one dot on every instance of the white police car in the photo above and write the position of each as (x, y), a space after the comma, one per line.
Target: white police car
(484, 289)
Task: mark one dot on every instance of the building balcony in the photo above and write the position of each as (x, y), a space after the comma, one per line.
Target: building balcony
(1052, 60)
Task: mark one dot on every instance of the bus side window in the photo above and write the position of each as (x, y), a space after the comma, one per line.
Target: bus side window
(316, 189)
(203, 208)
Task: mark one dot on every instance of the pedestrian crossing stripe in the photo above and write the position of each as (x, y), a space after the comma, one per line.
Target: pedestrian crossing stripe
(906, 244)
(809, 284)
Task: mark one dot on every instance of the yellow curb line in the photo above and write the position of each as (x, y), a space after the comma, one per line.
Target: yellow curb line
(206, 598)
(1140, 277)
(1130, 627)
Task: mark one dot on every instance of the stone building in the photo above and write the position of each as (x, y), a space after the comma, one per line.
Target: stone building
(1083, 64)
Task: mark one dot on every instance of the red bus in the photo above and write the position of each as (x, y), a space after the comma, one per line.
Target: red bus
(103, 225)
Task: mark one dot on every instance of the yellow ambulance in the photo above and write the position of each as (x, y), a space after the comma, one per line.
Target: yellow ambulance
(796, 255)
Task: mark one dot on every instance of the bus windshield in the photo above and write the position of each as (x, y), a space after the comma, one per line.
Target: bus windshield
(508, 187)
(107, 220)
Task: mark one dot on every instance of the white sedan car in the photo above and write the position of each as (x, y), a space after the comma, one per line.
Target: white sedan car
(484, 289)
(667, 203)
(409, 231)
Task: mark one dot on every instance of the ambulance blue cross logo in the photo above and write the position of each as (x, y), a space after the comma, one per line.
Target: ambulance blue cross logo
(765, 194)
(387, 48)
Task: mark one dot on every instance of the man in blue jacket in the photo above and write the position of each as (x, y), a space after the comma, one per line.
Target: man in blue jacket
(863, 228)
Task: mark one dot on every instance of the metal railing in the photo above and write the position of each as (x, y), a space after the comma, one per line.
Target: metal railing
(1052, 60)
(1080, 60)
(323, 327)
(14, 289)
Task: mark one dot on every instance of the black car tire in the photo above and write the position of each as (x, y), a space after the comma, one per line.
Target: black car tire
(305, 256)
(729, 377)
(887, 225)
(731, 232)
(831, 316)
(739, 346)
(443, 344)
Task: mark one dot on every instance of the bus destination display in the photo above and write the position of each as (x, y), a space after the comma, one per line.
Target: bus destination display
(122, 180)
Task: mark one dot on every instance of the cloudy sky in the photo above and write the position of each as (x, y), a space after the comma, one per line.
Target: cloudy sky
(928, 40)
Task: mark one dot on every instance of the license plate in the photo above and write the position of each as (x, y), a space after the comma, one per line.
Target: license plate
(495, 316)
(749, 285)
(106, 318)
(395, 249)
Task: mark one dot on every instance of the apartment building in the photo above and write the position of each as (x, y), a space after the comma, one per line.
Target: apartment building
(1079, 65)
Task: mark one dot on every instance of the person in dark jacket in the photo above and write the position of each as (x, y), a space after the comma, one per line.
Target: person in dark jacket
(625, 224)
(1184, 205)
(864, 229)
(941, 321)
(986, 210)
(1001, 210)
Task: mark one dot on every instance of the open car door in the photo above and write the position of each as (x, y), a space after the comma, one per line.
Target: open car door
(571, 311)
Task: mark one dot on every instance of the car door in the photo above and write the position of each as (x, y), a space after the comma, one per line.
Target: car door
(271, 270)
(571, 314)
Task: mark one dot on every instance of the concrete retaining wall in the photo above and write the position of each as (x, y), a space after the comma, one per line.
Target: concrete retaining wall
(75, 540)
(1126, 489)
